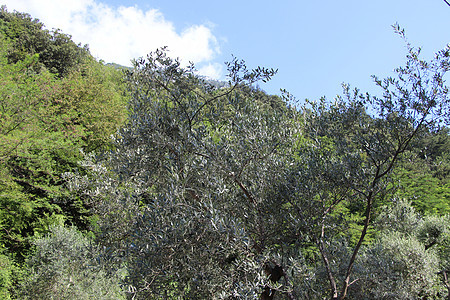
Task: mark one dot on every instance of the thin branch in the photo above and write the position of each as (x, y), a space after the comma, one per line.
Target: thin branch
(290, 293)
(200, 154)
(244, 189)
(353, 281)
(211, 100)
(403, 146)
(335, 202)
(368, 212)
(447, 2)
(255, 157)
(331, 279)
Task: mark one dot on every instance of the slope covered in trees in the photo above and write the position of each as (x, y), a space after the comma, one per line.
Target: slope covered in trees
(56, 101)
(153, 183)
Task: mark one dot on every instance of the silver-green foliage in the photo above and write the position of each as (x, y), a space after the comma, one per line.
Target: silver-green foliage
(207, 162)
(398, 267)
(407, 258)
(197, 171)
(65, 265)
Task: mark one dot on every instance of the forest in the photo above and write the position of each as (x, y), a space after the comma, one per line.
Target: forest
(153, 182)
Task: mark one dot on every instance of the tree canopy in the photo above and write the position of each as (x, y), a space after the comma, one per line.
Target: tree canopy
(49, 115)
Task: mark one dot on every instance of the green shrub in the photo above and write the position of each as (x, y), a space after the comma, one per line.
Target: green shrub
(65, 265)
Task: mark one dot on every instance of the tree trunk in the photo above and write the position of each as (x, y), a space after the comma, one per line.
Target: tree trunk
(275, 273)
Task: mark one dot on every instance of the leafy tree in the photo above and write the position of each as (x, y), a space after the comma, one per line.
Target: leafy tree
(201, 162)
(6, 274)
(25, 140)
(56, 51)
(423, 174)
(46, 121)
(356, 154)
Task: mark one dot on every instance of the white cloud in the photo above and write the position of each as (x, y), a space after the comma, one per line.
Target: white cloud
(211, 70)
(121, 34)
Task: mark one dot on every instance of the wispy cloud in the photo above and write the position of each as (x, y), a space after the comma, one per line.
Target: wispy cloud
(121, 34)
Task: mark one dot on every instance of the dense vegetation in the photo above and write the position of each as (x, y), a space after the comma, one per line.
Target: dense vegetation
(56, 102)
(152, 183)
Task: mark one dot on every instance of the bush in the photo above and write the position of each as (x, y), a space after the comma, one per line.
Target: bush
(6, 270)
(65, 265)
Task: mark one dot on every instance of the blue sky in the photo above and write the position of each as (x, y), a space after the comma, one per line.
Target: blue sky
(315, 45)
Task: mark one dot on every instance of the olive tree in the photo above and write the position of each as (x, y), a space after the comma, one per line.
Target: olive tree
(201, 166)
(349, 155)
